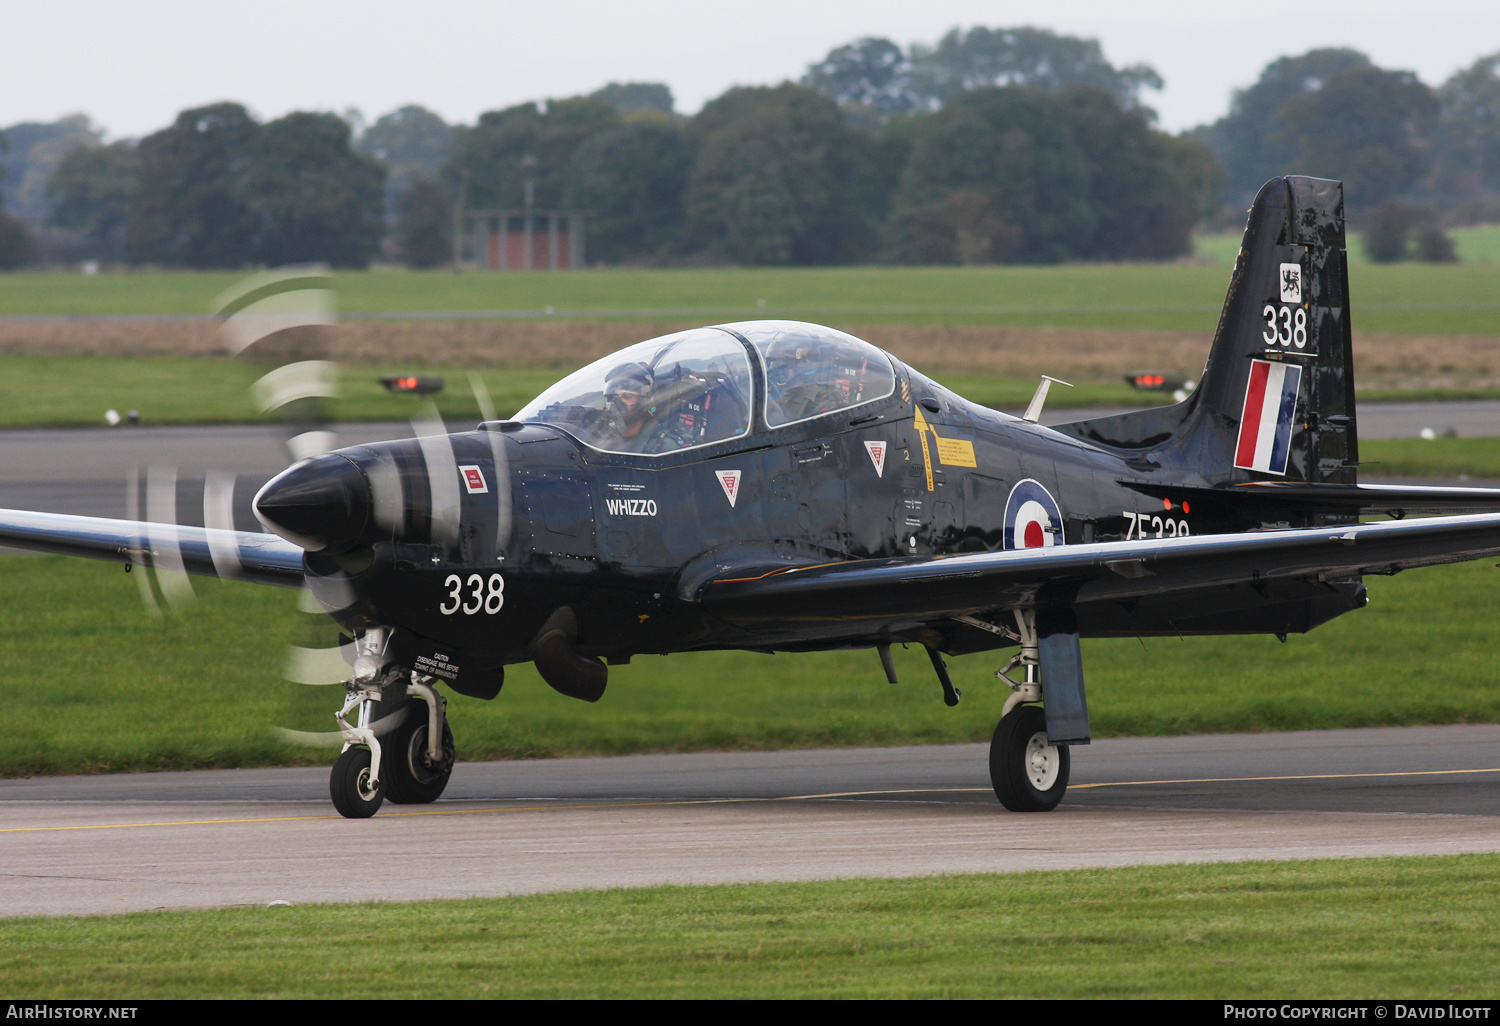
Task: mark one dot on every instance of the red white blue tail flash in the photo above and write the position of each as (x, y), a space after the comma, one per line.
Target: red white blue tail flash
(1266, 427)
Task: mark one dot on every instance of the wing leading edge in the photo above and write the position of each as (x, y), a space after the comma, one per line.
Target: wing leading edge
(232, 555)
(871, 591)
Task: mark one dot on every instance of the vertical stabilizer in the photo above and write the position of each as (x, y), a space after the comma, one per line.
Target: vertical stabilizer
(1276, 399)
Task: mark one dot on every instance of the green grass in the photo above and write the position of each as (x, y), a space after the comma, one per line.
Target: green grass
(1436, 457)
(90, 683)
(1395, 928)
(1477, 245)
(75, 391)
(1404, 299)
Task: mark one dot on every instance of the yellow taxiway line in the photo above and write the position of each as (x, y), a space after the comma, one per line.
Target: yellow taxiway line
(735, 801)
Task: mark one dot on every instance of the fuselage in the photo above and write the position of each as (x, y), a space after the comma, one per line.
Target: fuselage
(468, 573)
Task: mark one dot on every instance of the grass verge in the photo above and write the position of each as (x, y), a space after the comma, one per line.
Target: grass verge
(1434, 457)
(1399, 298)
(1404, 928)
(89, 683)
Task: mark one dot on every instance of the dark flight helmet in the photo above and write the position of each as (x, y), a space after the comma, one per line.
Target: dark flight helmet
(629, 377)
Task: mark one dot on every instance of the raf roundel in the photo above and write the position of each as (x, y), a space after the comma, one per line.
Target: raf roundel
(1032, 517)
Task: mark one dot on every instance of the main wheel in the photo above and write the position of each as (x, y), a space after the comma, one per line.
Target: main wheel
(1029, 775)
(408, 776)
(350, 785)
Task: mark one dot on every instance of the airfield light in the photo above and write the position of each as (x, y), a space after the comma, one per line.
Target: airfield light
(413, 384)
(1156, 381)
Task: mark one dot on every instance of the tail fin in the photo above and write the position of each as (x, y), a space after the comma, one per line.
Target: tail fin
(1276, 400)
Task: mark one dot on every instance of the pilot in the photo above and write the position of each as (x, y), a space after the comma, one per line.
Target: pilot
(797, 380)
(628, 395)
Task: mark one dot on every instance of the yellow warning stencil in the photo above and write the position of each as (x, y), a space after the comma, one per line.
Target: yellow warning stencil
(954, 452)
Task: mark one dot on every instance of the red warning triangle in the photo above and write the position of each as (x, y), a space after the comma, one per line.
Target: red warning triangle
(729, 480)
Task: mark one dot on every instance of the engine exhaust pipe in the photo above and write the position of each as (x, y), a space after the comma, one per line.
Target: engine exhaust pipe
(568, 672)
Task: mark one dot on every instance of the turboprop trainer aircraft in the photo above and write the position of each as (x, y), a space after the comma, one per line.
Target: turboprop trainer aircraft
(779, 486)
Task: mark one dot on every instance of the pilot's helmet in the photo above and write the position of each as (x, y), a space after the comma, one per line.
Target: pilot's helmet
(631, 379)
(790, 360)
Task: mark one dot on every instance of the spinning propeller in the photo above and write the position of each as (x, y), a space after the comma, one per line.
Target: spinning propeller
(322, 502)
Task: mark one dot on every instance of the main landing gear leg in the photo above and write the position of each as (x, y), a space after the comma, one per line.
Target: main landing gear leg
(1028, 772)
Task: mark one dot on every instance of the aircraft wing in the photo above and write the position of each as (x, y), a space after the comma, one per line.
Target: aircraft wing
(233, 555)
(929, 587)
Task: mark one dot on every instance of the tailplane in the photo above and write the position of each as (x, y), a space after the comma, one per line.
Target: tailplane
(1276, 398)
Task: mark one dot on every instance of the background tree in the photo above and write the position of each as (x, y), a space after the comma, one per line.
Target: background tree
(1468, 157)
(506, 147)
(1400, 230)
(1370, 127)
(636, 97)
(36, 149)
(90, 192)
(189, 209)
(1251, 141)
(1064, 175)
(629, 182)
(311, 197)
(17, 246)
(963, 61)
(780, 177)
(869, 74)
(413, 143)
(1140, 208)
(424, 225)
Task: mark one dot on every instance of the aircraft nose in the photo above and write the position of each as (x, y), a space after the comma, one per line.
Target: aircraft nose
(323, 503)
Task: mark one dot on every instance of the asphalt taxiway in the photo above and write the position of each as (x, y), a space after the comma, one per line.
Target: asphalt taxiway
(109, 844)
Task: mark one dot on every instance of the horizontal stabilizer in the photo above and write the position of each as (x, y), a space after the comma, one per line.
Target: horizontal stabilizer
(1395, 500)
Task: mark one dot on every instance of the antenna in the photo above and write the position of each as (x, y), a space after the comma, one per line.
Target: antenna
(1034, 411)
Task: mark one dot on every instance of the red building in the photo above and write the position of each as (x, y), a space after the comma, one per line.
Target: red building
(522, 240)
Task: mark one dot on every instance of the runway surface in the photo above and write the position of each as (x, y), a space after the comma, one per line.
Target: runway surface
(84, 845)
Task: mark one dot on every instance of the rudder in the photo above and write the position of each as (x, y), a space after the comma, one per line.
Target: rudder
(1276, 398)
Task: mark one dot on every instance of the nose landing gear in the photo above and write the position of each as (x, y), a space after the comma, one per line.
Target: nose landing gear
(402, 750)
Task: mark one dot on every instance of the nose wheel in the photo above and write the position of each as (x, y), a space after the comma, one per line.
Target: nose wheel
(1029, 774)
(355, 791)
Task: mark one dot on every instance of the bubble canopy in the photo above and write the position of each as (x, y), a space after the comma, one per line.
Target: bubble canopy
(695, 388)
(812, 370)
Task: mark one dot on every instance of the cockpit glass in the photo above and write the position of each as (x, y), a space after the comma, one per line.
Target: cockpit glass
(671, 393)
(812, 370)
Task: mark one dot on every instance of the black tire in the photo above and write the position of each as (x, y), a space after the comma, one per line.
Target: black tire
(350, 786)
(405, 772)
(1028, 774)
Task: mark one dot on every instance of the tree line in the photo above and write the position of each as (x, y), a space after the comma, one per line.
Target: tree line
(989, 146)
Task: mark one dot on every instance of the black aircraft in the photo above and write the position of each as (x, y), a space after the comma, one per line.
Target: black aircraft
(779, 486)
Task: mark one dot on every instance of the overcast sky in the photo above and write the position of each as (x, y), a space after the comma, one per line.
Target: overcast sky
(133, 66)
